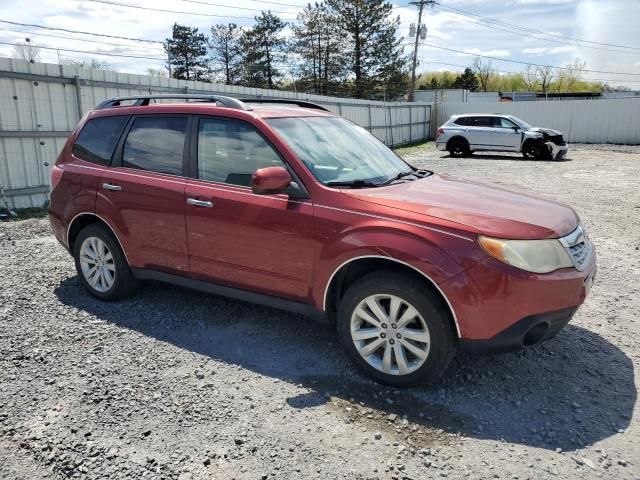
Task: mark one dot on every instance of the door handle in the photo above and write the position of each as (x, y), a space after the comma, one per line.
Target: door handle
(110, 186)
(199, 203)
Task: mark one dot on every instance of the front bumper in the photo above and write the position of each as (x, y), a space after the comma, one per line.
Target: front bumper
(558, 152)
(500, 308)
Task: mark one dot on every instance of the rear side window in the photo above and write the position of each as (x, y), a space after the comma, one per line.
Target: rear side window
(98, 139)
(479, 122)
(461, 121)
(156, 144)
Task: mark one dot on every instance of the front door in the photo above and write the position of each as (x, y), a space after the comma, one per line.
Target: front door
(506, 134)
(142, 193)
(262, 243)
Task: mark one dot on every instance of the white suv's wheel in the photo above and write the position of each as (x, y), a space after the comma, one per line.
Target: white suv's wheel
(395, 329)
(101, 264)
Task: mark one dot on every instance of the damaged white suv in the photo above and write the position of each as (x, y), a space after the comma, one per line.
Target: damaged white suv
(470, 132)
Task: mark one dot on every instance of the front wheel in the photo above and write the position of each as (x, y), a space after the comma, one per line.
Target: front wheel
(395, 329)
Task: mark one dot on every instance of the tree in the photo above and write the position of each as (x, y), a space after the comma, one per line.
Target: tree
(318, 42)
(467, 80)
(484, 71)
(530, 78)
(226, 52)
(545, 76)
(157, 72)
(187, 51)
(376, 58)
(90, 64)
(571, 74)
(263, 48)
(27, 51)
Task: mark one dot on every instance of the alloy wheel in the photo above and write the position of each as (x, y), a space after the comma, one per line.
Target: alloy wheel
(390, 334)
(97, 264)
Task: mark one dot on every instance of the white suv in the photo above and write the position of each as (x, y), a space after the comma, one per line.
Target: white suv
(467, 133)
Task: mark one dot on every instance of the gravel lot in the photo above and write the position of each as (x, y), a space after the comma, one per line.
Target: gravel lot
(176, 384)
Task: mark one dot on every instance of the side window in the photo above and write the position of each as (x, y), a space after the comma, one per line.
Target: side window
(156, 144)
(503, 123)
(98, 139)
(461, 121)
(229, 151)
(479, 121)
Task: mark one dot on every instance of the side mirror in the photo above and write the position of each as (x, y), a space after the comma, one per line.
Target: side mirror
(516, 129)
(270, 180)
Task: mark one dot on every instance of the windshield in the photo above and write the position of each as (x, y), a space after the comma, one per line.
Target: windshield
(521, 123)
(338, 151)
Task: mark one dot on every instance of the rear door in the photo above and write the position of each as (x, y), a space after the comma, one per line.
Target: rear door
(262, 243)
(142, 193)
(506, 134)
(479, 132)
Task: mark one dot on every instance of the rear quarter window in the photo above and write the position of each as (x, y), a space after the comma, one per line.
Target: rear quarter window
(461, 121)
(98, 139)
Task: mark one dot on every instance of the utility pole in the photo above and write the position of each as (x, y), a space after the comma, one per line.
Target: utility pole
(421, 31)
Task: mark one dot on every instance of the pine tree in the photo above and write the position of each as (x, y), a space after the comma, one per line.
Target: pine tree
(263, 48)
(377, 60)
(187, 51)
(226, 53)
(467, 80)
(319, 44)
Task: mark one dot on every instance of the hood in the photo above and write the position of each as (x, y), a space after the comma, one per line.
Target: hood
(548, 131)
(492, 210)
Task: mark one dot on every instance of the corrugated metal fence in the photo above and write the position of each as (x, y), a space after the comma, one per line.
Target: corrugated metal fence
(588, 121)
(41, 103)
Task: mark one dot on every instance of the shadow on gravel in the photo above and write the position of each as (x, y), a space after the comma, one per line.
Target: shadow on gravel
(568, 393)
(519, 158)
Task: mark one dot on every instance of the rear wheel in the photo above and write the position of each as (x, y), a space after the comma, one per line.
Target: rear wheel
(458, 147)
(395, 330)
(101, 264)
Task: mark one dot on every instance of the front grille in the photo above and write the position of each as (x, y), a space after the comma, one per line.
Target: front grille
(579, 247)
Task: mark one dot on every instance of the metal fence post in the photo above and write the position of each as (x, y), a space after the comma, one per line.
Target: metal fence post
(390, 125)
(370, 119)
(76, 82)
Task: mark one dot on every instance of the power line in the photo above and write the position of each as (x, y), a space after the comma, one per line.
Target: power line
(44, 47)
(499, 22)
(78, 31)
(101, 42)
(200, 14)
(237, 8)
(604, 80)
(483, 23)
(524, 63)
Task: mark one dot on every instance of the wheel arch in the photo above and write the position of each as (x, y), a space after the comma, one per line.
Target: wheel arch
(355, 268)
(83, 219)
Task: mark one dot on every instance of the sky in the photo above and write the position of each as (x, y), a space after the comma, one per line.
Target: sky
(549, 32)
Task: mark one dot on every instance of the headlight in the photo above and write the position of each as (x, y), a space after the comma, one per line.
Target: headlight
(538, 256)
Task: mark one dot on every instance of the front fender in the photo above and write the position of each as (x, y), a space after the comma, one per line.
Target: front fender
(436, 255)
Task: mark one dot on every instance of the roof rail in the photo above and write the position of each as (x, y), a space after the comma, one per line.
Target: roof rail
(144, 100)
(285, 101)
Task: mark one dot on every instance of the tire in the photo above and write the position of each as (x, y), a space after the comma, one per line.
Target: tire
(531, 150)
(382, 287)
(458, 147)
(96, 245)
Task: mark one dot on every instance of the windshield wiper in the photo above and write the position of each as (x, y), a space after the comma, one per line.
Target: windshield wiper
(352, 184)
(397, 177)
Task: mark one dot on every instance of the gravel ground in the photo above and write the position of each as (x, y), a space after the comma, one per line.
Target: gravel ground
(176, 384)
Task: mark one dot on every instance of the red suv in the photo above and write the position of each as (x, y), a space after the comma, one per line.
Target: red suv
(288, 205)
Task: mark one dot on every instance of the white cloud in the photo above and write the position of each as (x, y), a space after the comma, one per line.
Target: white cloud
(490, 53)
